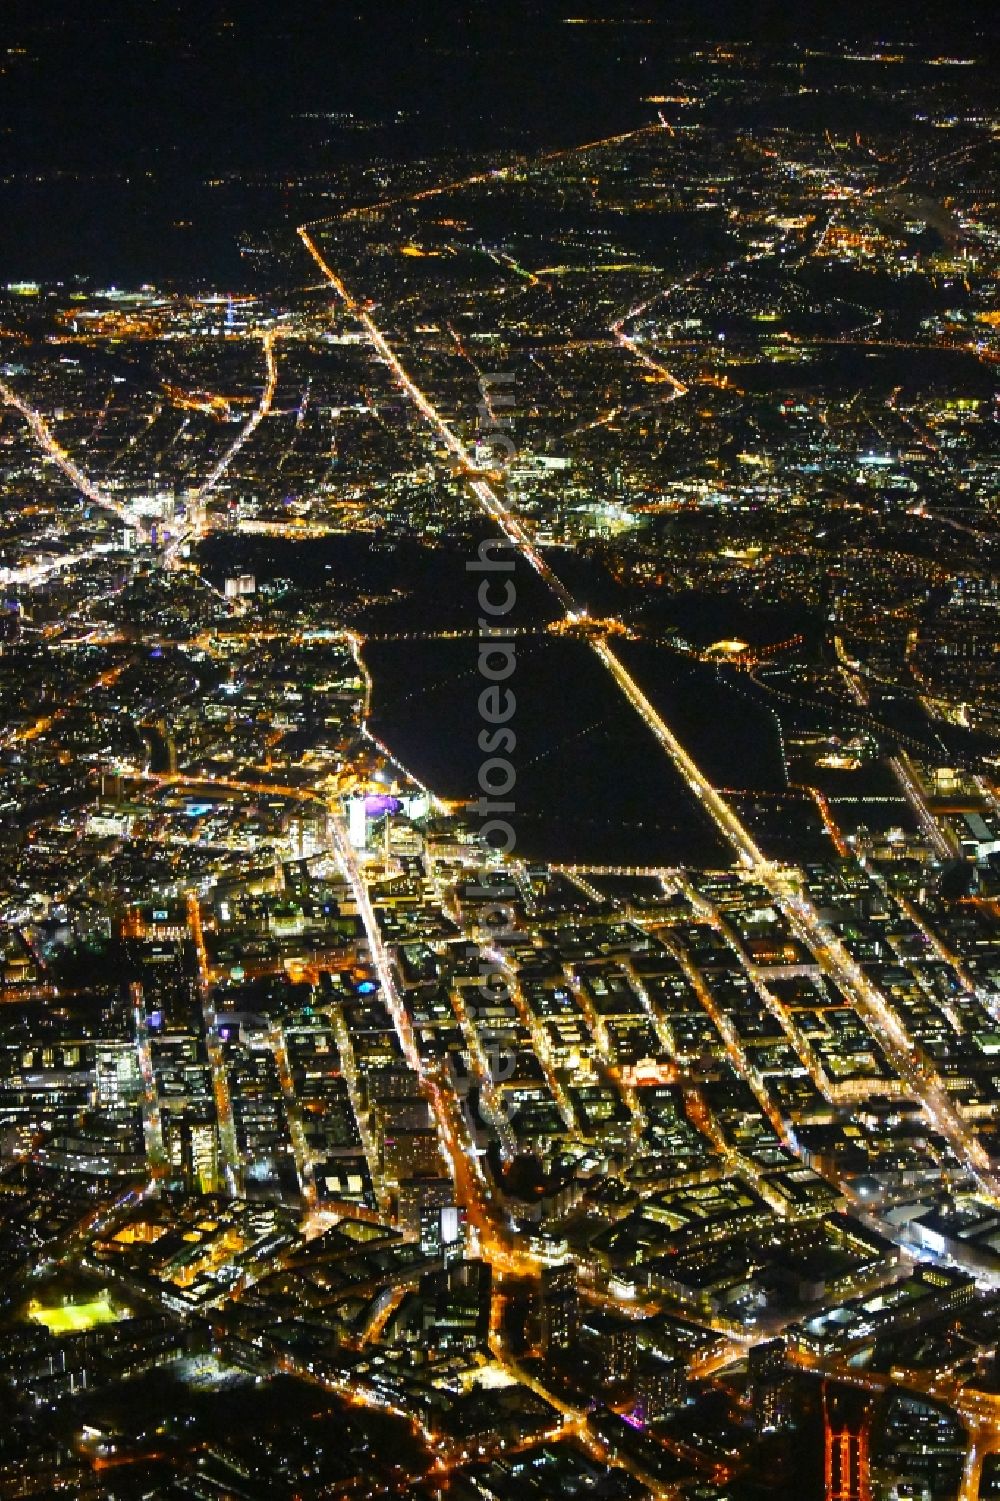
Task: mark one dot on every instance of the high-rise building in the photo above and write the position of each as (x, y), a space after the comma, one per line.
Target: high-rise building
(457, 1303)
(119, 1077)
(660, 1387)
(200, 1153)
(614, 1340)
(421, 1196)
(191, 1142)
(560, 1307)
(410, 1154)
(427, 1208)
(770, 1386)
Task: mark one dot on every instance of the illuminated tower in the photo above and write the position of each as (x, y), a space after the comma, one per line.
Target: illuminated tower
(845, 1448)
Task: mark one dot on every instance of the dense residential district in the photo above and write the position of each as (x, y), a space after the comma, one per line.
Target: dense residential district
(650, 1149)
